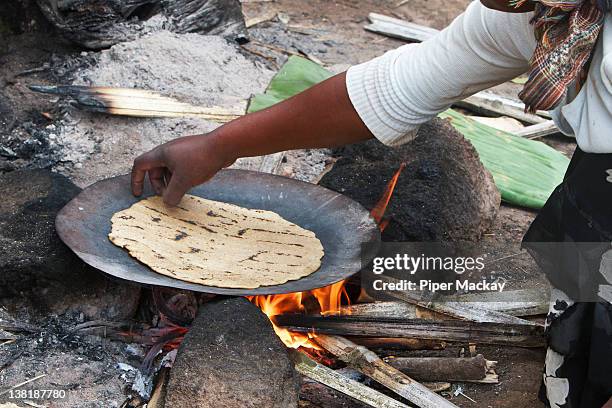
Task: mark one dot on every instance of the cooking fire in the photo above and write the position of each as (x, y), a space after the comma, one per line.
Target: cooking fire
(201, 209)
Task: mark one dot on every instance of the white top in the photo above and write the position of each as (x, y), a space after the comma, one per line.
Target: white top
(395, 93)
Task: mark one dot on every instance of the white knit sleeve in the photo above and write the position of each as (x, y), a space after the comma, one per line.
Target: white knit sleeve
(395, 93)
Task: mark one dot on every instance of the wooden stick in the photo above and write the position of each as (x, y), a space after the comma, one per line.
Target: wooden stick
(396, 28)
(252, 22)
(519, 303)
(137, 102)
(486, 103)
(398, 343)
(441, 330)
(380, 309)
(159, 114)
(367, 362)
(145, 103)
(473, 369)
(159, 391)
(518, 308)
(539, 130)
(22, 384)
(318, 372)
(457, 310)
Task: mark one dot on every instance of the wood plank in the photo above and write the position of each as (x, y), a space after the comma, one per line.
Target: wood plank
(368, 363)
(444, 330)
(324, 375)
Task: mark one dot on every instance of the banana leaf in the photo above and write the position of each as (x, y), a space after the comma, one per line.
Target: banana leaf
(295, 76)
(525, 171)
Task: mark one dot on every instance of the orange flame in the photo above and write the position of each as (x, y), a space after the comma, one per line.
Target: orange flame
(329, 297)
(379, 209)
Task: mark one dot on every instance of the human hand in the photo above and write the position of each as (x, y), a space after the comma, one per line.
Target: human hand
(180, 164)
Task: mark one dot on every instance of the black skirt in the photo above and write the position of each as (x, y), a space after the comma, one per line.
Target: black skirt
(568, 239)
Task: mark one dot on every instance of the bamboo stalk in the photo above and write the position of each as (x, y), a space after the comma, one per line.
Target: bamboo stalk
(367, 362)
(318, 372)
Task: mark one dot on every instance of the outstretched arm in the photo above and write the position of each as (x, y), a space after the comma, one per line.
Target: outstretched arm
(388, 97)
(322, 116)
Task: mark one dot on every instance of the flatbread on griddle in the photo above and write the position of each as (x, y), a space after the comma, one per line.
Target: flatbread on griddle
(216, 244)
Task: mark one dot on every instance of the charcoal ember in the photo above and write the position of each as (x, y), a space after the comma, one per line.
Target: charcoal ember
(98, 24)
(231, 357)
(443, 194)
(35, 264)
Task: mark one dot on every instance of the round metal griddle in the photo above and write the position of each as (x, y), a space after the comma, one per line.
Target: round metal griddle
(340, 223)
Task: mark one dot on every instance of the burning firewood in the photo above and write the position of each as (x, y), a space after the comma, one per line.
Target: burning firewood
(367, 362)
(338, 382)
(135, 102)
(473, 369)
(441, 330)
(398, 343)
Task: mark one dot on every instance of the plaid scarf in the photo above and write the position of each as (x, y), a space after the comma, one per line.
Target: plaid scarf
(566, 32)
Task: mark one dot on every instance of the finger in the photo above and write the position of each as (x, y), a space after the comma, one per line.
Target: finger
(142, 164)
(167, 176)
(176, 189)
(156, 177)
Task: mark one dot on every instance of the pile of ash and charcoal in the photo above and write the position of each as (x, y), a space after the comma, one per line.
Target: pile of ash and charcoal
(86, 340)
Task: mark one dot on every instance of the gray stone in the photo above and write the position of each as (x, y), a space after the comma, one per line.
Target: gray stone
(37, 267)
(231, 357)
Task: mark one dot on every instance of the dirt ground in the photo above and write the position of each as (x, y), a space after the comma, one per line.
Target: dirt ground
(331, 31)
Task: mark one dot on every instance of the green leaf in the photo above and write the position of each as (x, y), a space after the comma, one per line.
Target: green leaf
(525, 171)
(297, 75)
